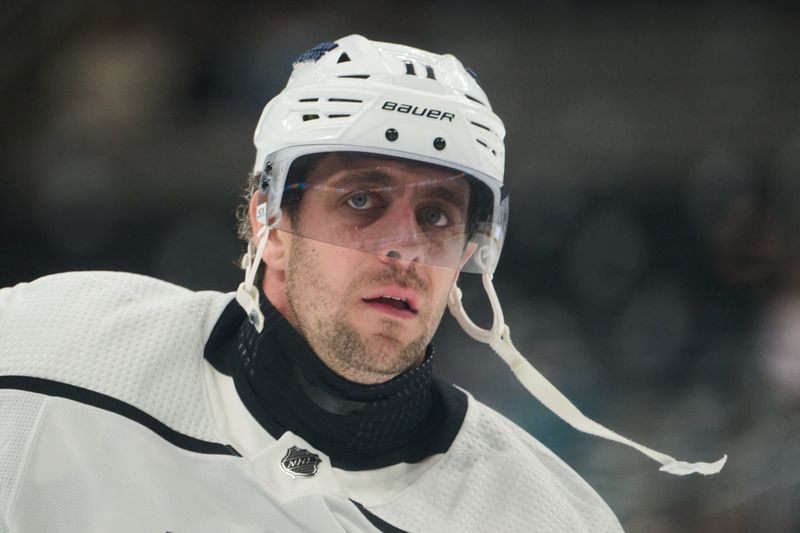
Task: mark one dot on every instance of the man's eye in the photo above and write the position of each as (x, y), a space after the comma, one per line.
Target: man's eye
(360, 201)
(434, 217)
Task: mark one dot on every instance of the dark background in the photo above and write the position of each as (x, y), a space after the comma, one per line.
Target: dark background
(653, 159)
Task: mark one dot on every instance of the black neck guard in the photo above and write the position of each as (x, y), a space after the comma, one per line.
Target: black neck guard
(286, 387)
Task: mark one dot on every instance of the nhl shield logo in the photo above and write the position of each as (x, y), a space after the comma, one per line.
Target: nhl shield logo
(299, 462)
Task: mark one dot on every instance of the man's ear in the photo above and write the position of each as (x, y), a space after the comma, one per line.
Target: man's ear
(251, 212)
(276, 253)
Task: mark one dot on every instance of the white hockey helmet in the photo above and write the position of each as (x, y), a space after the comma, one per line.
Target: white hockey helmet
(369, 102)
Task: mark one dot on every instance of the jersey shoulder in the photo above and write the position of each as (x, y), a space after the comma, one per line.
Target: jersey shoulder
(131, 337)
(497, 477)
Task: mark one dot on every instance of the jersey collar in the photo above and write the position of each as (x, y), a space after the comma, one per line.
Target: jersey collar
(286, 387)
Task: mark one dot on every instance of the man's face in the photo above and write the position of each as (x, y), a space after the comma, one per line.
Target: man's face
(370, 304)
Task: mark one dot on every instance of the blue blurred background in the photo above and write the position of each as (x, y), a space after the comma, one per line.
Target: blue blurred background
(653, 157)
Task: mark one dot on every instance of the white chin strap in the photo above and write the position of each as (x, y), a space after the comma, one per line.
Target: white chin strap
(247, 293)
(499, 338)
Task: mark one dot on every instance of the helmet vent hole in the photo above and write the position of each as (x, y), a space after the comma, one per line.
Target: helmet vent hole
(347, 100)
(339, 115)
(356, 76)
(309, 99)
(306, 118)
(410, 68)
(344, 58)
(429, 70)
(474, 99)
(482, 143)
(481, 126)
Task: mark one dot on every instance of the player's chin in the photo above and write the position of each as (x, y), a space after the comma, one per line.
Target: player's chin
(386, 342)
(401, 349)
(392, 335)
(392, 366)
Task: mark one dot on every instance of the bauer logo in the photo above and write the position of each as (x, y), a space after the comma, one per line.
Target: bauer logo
(299, 462)
(419, 111)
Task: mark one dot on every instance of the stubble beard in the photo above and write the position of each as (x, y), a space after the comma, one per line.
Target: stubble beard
(320, 319)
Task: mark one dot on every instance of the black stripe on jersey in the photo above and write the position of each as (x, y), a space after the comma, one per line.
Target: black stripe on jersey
(382, 525)
(107, 403)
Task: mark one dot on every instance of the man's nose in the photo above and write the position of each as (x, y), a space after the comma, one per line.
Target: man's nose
(406, 241)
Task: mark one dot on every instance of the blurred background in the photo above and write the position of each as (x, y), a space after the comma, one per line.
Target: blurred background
(653, 156)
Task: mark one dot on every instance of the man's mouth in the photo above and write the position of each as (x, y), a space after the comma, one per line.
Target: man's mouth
(394, 300)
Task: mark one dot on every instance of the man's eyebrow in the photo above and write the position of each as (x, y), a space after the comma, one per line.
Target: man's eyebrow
(448, 195)
(432, 187)
(371, 176)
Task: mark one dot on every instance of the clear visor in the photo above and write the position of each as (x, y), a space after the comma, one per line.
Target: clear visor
(390, 206)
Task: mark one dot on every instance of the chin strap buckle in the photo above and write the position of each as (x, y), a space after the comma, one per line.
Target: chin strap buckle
(247, 298)
(247, 293)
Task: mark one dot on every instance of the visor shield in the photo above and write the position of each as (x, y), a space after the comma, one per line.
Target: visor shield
(386, 205)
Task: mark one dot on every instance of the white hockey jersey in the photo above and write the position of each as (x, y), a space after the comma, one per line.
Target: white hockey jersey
(112, 419)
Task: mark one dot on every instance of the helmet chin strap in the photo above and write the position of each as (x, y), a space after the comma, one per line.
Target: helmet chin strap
(247, 293)
(499, 338)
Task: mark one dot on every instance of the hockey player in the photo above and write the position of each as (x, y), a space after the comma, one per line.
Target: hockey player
(129, 404)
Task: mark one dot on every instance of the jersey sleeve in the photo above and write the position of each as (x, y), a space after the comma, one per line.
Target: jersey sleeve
(20, 412)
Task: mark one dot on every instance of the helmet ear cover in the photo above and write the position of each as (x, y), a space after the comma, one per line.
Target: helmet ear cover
(292, 192)
(291, 195)
(479, 211)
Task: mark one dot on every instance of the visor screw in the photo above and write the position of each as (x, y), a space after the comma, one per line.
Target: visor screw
(439, 143)
(263, 182)
(391, 134)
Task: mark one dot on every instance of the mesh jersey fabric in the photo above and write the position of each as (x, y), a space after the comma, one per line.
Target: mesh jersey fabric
(125, 335)
(495, 477)
(141, 340)
(19, 413)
